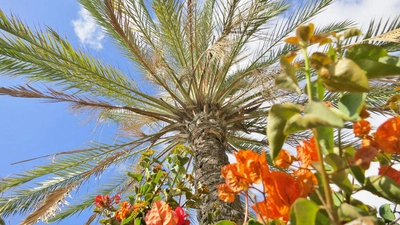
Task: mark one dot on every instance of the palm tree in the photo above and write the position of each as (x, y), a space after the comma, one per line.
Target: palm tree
(211, 66)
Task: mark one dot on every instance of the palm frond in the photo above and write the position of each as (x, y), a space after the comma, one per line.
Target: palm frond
(381, 33)
(118, 182)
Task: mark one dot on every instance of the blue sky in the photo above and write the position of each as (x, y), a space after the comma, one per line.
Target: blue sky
(30, 128)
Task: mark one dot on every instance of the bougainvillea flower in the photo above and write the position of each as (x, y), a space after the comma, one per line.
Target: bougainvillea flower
(181, 216)
(307, 152)
(235, 180)
(364, 113)
(364, 156)
(285, 186)
(390, 172)
(116, 198)
(124, 211)
(261, 210)
(252, 166)
(225, 193)
(307, 181)
(102, 201)
(361, 128)
(284, 159)
(161, 214)
(387, 136)
(368, 141)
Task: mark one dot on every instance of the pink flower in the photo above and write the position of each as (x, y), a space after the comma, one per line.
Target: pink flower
(181, 216)
(102, 201)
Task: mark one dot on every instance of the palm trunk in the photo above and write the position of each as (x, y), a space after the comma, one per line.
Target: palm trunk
(207, 140)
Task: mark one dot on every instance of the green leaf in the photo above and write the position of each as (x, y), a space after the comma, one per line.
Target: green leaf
(303, 212)
(138, 221)
(383, 186)
(351, 104)
(325, 139)
(253, 222)
(316, 115)
(287, 79)
(339, 176)
(183, 160)
(345, 75)
(374, 60)
(136, 176)
(126, 220)
(2, 221)
(348, 212)
(277, 118)
(365, 51)
(386, 213)
(352, 32)
(225, 222)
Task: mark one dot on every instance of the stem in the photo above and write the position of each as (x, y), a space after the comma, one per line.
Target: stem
(325, 182)
(340, 142)
(246, 214)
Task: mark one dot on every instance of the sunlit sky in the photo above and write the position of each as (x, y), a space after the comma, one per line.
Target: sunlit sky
(30, 128)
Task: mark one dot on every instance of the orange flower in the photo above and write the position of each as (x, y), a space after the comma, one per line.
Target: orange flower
(307, 181)
(252, 166)
(307, 152)
(225, 193)
(387, 136)
(283, 189)
(261, 210)
(364, 156)
(390, 172)
(124, 211)
(284, 159)
(361, 128)
(161, 214)
(364, 113)
(285, 186)
(235, 180)
(367, 141)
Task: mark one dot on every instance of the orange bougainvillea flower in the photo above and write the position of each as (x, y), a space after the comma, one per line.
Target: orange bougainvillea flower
(307, 181)
(285, 186)
(235, 180)
(390, 172)
(364, 113)
(387, 136)
(252, 166)
(161, 214)
(361, 128)
(225, 193)
(364, 156)
(307, 152)
(124, 211)
(283, 189)
(261, 210)
(284, 159)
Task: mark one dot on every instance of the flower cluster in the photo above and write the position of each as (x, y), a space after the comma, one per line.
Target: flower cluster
(280, 189)
(105, 202)
(162, 214)
(386, 139)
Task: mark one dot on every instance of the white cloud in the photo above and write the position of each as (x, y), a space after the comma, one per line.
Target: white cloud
(360, 11)
(88, 32)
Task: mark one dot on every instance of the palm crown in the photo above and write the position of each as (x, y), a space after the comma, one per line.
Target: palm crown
(210, 87)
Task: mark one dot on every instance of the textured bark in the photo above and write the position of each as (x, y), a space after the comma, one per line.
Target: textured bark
(207, 140)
